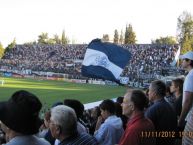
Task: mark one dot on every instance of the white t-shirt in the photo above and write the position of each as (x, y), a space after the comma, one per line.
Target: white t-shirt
(188, 87)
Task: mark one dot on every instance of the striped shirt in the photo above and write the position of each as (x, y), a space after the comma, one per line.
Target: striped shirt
(79, 139)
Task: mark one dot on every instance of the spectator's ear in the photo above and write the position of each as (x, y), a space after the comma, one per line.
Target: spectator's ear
(154, 94)
(132, 107)
(58, 130)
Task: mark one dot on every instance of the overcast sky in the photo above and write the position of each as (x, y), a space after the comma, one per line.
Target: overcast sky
(84, 20)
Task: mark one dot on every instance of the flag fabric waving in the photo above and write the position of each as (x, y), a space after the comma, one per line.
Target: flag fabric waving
(104, 60)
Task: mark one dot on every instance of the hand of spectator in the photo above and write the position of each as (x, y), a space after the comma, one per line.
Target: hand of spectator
(99, 122)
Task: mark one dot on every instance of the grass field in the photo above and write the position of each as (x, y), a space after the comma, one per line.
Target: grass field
(52, 91)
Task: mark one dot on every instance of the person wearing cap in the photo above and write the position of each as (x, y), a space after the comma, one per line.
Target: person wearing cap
(187, 101)
(20, 119)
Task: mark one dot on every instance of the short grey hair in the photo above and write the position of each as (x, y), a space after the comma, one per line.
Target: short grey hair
(65, 118)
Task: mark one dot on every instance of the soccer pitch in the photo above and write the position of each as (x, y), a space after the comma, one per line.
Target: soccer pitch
(50, 92)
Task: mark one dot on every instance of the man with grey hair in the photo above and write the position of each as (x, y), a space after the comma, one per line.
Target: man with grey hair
(63, 126)
(161, 113)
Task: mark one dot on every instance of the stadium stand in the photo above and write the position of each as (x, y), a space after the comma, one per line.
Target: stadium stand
(149, 61)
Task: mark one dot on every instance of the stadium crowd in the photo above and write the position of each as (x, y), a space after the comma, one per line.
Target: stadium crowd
(47, 58)
(148, 61)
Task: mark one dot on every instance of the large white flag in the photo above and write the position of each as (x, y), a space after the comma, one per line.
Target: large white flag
(104, 60)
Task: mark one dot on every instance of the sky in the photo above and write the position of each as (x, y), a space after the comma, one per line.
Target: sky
(84, 20)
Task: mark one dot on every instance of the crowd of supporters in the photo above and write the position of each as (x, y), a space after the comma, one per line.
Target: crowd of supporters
(148, 61)
(46, 58)
(132, 119)
(162, 116)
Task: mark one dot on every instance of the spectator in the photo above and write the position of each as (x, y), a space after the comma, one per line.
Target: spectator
(48, 135)
(118, 113)
(170, 98)
(20, 121)
(161, 113)
(177, 89)
(133, 107)
(109, 132)
(95, 113)
(79, 109)
(187, 101)
(63, 126)
(45, 126)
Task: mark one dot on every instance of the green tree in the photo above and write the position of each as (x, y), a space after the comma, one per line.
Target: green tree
(64, 39)
(165, 40)
(43, 38)
(121, 38)
(105, 38)
(11, 45)
(185, 31)
(116, 37)
(57, 39)
(1, 50)
(51, 41)
(130, 37)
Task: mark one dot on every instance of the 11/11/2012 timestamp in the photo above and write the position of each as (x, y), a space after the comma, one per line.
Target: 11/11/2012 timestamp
(165, 134)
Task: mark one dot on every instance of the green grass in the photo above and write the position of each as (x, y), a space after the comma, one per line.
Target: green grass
(52, 91)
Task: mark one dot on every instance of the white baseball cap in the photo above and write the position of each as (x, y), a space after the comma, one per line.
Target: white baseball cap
(188, 55)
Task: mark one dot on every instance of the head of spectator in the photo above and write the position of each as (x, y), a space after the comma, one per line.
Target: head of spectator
(107, 108)
(76, 105)
(63, 122)
(46, 132)
(168, 92)
(119, 100)
(134, 102)
(157, 90)
(187, 63)
(177, 86)
(118, 109)
(95, 112)
(20, 114)
(118, 113)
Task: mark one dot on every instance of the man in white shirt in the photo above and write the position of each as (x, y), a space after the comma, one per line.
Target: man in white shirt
(187, 102)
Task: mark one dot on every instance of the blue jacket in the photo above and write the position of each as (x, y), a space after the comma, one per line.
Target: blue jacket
(110, 131)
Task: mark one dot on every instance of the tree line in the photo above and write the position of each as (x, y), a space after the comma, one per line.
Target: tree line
(184, 34)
